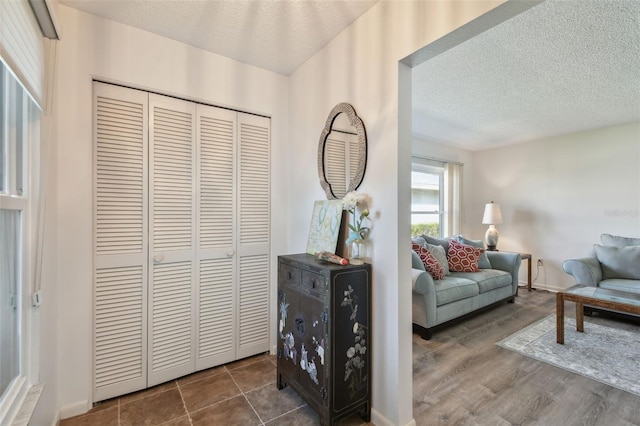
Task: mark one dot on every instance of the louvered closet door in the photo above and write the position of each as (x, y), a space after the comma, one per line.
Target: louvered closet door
(253, 239)
(216, 322)
(120, 240)
(335, 157)
(172, 225)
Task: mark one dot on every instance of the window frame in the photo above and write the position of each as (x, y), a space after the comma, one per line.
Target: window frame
(18, 174)
(431, 167)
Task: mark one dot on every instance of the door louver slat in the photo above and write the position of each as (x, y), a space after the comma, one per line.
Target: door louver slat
(254, 184)
(123, 338)
(254, 291)
(216, 307)
(172, 179)
(171, 337)
(216, 182)
(112, 178)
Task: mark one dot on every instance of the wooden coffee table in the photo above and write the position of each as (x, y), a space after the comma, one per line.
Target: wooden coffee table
(615, 300)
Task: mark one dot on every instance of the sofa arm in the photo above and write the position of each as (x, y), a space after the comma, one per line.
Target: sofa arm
(585, 270)
(422, 281)
(508, 262)
(416, 263)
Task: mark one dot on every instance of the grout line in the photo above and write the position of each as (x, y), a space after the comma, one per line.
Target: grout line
(247, 399)
(184, 404)
(288, 412)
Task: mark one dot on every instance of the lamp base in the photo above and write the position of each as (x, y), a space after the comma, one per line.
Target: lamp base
(491, 238)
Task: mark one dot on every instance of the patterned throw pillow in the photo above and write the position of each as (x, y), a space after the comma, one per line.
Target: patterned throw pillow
(431, 264)
(439, 253)
(463, 258)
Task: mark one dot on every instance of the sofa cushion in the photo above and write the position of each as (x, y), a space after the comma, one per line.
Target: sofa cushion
(453, 288)
(431, 264)
(419, 240)
(619, 262)
(630, 286)
(463, 258)
(616, 241)
(487, 279)
(444, 242)
(483, 262)
(439, 253)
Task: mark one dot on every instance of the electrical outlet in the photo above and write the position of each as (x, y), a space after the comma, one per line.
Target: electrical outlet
(540, 262)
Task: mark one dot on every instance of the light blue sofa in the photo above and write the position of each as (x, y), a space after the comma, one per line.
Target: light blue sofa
(615, 264)
(436, 303)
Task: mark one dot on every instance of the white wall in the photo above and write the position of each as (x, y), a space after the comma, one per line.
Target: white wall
(93, 47)
(557, 195)
(361, 67)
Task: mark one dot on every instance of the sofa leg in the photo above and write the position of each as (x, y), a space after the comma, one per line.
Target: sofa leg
(426, 334)
(512, 300)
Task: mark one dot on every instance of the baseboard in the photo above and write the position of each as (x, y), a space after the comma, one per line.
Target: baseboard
(380, 420)
(548, 287)
(72, 410)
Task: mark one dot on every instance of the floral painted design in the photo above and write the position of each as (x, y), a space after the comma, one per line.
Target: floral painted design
(355, 364)
(288, 341)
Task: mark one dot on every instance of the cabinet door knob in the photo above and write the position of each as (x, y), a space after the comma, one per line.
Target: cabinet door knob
(158, 258)
(230, 253)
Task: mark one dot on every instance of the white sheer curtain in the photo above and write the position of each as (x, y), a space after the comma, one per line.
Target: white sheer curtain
(452, 198)
(9, 276)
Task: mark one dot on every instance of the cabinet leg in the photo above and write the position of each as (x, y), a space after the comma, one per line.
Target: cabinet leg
(279, 383)
(365, 413)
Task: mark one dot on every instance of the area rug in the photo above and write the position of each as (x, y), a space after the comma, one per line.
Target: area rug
(606, 354)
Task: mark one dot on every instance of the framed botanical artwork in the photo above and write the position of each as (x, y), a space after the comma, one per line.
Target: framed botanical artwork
(325, 226)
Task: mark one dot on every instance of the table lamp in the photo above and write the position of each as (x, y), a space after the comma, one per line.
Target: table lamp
(492, 217)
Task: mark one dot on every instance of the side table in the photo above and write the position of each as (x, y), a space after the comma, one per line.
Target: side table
(527, 257)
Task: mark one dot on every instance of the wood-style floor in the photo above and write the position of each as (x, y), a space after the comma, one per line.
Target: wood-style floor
(461, 377)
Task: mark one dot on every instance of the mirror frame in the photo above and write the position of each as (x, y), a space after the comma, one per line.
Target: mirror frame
(355, 121)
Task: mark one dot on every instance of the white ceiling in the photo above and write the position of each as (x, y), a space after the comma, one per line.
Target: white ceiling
(277, 35)
(559, 67)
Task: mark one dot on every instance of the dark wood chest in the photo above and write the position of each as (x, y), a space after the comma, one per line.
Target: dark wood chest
(324, 335)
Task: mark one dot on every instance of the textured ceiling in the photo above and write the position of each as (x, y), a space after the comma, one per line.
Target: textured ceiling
(278, 35)
(559, 67)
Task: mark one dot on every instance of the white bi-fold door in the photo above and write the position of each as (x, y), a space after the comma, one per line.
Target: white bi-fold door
(198, 214)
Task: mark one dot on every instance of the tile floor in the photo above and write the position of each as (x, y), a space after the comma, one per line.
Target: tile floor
(240, 393)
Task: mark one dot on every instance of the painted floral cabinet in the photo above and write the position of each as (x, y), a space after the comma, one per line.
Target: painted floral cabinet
(324, 335)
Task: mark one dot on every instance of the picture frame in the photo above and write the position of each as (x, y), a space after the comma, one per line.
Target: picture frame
(326, 224)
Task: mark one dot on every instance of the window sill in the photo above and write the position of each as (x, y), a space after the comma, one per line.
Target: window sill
(28, 405)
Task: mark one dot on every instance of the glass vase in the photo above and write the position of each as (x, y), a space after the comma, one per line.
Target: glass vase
(357, 253)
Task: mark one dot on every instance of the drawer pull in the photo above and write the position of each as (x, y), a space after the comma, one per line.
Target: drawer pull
(289, 275)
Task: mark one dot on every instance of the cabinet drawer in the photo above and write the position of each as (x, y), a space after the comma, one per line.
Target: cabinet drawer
(312, 282)
(289, 275)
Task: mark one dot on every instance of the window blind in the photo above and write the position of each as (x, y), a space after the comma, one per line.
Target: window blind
(22, 47)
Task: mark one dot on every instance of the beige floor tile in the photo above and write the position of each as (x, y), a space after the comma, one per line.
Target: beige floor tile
(147, 392)
(232, 412)
(254, 375)
(269, 402)
(153, 410)
(246, 361)
(180, 421)
(103, 417)
(303, 416)
(201, 375)
(208, 391)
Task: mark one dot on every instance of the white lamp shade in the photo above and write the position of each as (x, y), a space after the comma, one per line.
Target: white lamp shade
(492, 214)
